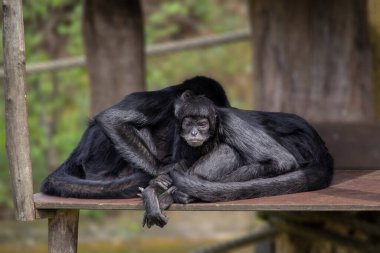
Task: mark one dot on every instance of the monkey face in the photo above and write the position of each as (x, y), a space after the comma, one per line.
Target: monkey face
(195, 130)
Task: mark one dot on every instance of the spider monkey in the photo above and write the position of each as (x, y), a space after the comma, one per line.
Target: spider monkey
(126, 145)
(194, 137)
(223, 154)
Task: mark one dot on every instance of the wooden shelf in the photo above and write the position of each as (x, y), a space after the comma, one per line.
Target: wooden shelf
(351, 190)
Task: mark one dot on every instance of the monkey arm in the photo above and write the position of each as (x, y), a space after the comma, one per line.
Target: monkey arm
(242, 132)
(156, 198)
(135, 146)
(223, 164)
(213, 166)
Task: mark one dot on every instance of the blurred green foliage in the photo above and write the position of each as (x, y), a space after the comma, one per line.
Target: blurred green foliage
(58, 102)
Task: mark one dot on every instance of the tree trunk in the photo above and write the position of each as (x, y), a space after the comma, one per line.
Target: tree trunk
(16, 113)
(374, 22)
(312, 58)
(114, 42)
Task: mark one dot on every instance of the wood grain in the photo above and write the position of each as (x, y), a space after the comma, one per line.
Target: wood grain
(312, 58)
(114, 43)
(353, 145)
(63, 232)
(16, 115)
(351, 190)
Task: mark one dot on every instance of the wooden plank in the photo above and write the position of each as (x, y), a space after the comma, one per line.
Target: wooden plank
(45, 213)
(351, 190)
(353, 145)
(63, 232)
(16, 115)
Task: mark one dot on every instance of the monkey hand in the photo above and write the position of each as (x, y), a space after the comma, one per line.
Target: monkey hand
(153, 212)
(161, 182)
(159, 218)
(179, 179)
(154, 218)
(182, 197)
(166, 199)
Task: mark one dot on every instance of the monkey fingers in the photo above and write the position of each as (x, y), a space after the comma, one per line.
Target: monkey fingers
(157, 218)
(153, 214)
(166, 198)
(163, 182)
(181, 197)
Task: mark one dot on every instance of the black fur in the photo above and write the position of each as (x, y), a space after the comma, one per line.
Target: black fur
(157, 196)
(126, 145)
(250, 154)
(260, 154)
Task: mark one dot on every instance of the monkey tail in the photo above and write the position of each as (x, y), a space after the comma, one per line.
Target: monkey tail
(61, 183)
(307, 179)
(68, 180)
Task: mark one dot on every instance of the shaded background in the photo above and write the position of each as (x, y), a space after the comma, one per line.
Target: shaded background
(59, 110)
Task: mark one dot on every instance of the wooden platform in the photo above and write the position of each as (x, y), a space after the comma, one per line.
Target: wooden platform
(351, 190)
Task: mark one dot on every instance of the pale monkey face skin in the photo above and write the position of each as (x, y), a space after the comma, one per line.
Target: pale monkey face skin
(195, 130)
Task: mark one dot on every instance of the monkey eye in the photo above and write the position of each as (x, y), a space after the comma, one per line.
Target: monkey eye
(202, 123)
(186, 122)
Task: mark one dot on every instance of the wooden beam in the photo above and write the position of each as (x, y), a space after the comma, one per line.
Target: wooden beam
(352, 145)
(63, 232)
(322, 233)
(256, 236)
(16, 115)
(153, 50)
(45, 213)
(351, 190)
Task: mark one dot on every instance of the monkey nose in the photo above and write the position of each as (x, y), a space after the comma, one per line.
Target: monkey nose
(194, 133)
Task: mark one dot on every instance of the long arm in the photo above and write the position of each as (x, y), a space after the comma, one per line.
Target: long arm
(213, 166)
(136, 147)
(254, 144)
(157, 197)
(224, 164)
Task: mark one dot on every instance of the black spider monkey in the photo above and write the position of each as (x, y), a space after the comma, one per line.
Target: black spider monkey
(228, 154)
(126, 145)
(194, 137)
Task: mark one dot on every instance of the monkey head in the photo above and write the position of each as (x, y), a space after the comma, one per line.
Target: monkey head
(196, 118)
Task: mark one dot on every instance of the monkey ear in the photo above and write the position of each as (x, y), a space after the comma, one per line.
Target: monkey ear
(219, 125)
(177, 106)
(186, 95)
(179, 102)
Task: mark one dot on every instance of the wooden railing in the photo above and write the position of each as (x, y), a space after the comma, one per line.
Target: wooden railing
(154, 50)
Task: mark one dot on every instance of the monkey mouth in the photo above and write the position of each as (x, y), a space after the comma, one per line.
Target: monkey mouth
(194, 142)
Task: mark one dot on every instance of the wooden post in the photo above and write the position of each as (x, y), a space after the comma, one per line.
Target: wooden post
(17, 134)
(63, 232)
(114, 41)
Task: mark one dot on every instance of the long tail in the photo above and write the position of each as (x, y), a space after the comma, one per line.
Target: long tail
(297, 181)
(68, 179)
(60, 183)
